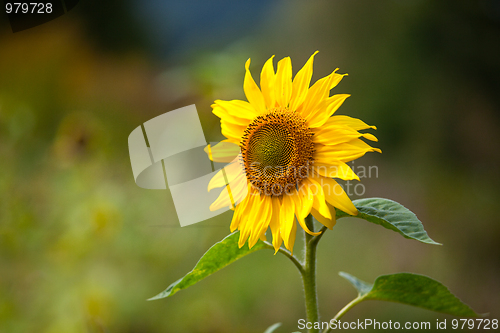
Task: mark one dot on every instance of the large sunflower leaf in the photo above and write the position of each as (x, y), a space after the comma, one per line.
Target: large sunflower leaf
(412, 289)
(217, 257)
(390, 215)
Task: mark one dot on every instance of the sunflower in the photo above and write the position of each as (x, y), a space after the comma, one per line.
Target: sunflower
(288, 147)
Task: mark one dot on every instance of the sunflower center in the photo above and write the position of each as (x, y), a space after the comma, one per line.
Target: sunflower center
(277, 151)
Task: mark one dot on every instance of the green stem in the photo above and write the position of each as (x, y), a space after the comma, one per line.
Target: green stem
(307, 271)
(344, 311)
(309, 276)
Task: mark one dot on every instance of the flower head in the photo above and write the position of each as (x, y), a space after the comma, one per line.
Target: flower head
(291, 147)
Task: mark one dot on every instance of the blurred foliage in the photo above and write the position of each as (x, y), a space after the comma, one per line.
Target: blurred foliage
(82, 247)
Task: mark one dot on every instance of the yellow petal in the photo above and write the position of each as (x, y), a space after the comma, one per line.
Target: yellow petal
(236, 108)
(344, 152)
(267, 81)
(315, 95)
(301, 83)
(224, 199)
(221, 113)
(261, 221)
(318, 93)
(291, 237)
(329, 107)
(275, 223)
(336, 196)
(232, 194)
(224, 151)
(238, 188)
(336, 169)
(333, 103)
(319, 202)
(232, 131)
(248, 219)
(336, 80)
(226, 175)
(354, 123)
(303, 204)
(306, 200)
(287, 221)
(327, 222)
(252, 91)
(370, 137)
(333, 135)
(218, 180)
(283, 84)
(240, 211)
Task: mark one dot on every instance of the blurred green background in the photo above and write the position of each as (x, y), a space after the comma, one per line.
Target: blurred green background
(82, 247)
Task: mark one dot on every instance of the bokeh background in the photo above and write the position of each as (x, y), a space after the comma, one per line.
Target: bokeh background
(82, 247)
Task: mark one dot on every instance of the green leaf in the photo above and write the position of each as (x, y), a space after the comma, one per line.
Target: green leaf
(272, 328)
(217, 257)
(412, 289)
(362, 287)
(390, 215)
